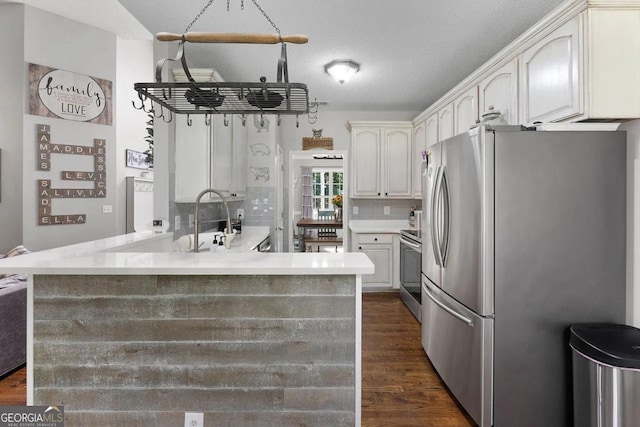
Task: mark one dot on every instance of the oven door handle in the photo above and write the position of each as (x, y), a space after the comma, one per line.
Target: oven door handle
(415, 246)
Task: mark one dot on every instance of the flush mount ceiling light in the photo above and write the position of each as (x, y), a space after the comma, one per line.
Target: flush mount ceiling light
(342, 70)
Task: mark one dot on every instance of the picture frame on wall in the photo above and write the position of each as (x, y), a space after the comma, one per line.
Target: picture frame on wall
(137, 159)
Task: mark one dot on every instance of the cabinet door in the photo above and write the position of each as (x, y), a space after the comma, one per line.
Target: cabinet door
(431, 130)
(445, 122)
(239, 161)
(550, 76)
(500, 90)
(397, 161)
(192, 157)
(419, 144)
(465, 111)
(381, 256)
(366, 155)
(221, 155)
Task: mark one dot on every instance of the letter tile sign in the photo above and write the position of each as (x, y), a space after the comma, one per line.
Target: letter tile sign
(46, 193)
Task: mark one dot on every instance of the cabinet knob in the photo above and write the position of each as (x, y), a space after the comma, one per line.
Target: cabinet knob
(386, 194)
(360, 247)
(378, 194)
(375, 239)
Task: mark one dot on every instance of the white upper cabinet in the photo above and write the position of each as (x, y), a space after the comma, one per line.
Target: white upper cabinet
(465, 110)
(381, 155)
(445, 122)
(500, 91)
(208, 156)
(366, 155)
(431, 129)
(580, 62)
(222, 155)
(419, 145)
(397, 162)
(192, 157)
(550, 76)
(613, 67)
(239, 158)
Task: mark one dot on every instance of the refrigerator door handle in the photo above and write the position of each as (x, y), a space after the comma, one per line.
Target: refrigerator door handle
(446, 215)
(449, 310)
(434, 217)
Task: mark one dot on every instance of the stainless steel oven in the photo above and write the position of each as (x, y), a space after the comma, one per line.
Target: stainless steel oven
(410, 270)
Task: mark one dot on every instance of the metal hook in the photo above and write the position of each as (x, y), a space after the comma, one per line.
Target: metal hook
(297, 122)
(141, 105)
(278, 120)
(262, 120)
(161, 112)
(207, 120)
(225, 120)
(243, 118)
(189, 121)
(170, 117)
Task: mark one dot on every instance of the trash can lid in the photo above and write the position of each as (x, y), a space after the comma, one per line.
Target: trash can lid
(608, 343)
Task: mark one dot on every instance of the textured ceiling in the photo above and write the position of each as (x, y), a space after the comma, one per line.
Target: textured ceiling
(411, 52)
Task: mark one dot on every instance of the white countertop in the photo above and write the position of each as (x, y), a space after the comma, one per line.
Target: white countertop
(96, 258)
(378, 226)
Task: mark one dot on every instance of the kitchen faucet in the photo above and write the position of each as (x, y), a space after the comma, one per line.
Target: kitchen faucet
(196, 233)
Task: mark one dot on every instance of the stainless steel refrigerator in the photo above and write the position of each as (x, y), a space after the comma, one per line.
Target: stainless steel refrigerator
(524, 236)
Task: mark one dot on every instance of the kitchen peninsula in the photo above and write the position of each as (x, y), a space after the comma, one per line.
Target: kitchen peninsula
(122, 337)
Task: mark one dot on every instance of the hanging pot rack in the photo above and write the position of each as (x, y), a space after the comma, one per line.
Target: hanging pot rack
(197, 97)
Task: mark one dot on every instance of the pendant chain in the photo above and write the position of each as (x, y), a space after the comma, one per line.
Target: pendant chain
(204, 9)
(200, 14)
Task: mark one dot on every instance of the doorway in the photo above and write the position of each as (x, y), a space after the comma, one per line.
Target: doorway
(333, 161)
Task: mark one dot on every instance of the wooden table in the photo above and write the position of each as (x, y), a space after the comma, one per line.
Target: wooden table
(307, 223)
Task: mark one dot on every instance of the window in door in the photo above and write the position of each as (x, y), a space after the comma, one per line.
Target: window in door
(326, 184)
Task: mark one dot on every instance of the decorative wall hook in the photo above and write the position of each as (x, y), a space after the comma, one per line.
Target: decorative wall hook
(189, 121)
(225, 120)
(207, 120)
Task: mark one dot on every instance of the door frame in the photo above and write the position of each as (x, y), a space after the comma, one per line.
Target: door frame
(296, 156)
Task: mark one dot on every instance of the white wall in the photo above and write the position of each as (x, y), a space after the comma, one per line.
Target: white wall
(11, 114)
(134, 64)
(58, 42)
(31, 35)
(633, 221)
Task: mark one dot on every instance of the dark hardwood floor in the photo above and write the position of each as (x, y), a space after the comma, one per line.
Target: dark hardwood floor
(399, 385)
(13, 388)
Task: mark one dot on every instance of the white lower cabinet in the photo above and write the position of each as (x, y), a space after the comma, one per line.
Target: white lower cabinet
(380, 249)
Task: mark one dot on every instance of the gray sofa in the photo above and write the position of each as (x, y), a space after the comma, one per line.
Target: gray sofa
(13, 323)
(13, 317)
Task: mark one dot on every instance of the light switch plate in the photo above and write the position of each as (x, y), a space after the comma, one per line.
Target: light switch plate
(176, 223)
(192, 221)
(240, 213)
(355, 210)
(107, 208)
(387, 210)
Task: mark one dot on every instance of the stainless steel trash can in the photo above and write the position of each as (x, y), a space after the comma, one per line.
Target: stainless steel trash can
(606, 375)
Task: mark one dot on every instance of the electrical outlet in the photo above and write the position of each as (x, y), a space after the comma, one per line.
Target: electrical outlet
(107, 208)
(193, 419)
(387, 210)
(176, 223)
(355, 210)
(240, 213)
(192, 221)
